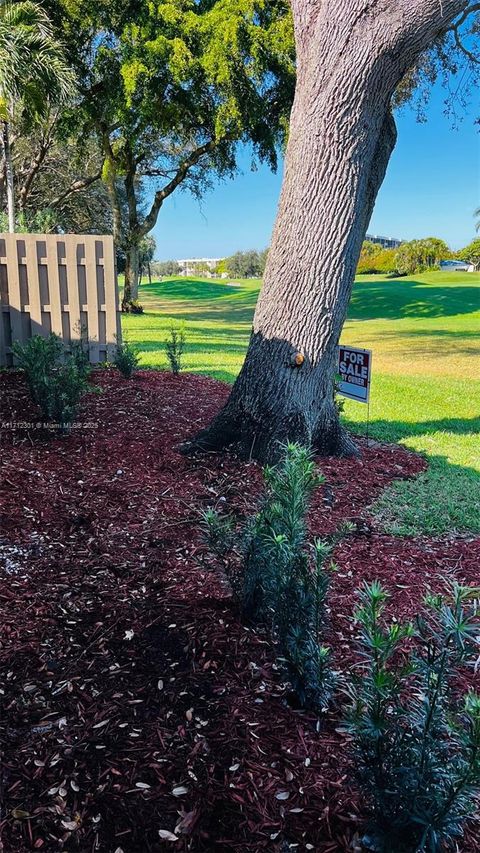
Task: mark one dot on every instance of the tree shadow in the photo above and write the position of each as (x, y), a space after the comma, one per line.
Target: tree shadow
(404, 429)
(394, 299)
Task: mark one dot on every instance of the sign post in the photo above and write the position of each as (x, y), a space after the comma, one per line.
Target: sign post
(354, 369)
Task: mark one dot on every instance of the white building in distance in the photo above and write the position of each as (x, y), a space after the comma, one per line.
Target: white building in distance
(197, 266)
(384, 242)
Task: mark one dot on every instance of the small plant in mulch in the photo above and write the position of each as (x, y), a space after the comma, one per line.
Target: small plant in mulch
(56, 379)
(79, 355)
(126, 359)
(417, 749)
(174, 348)
(338, 401)
(218, 532)
(284, 579)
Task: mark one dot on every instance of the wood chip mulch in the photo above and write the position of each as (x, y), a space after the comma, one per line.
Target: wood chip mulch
(136, 706)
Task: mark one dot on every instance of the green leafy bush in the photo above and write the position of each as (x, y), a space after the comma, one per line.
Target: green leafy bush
(280, 577)
(417, 752)
(38, 358)
(55, 385)
(126, 359)
(378, 261)
(174, 347)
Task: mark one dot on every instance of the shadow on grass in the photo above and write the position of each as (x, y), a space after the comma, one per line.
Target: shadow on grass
(404, 298)
(443, 499)
(371, 300)
(396, 430)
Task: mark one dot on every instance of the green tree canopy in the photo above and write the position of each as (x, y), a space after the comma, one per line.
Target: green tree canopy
(249, 264)
(419, 255)
(171, 89)
(471, 253)
(33, 73)
(166, 268)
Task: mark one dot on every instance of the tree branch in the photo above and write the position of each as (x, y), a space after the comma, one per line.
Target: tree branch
(455, 29)
(76, 187)
(35, 165)
(168, 189)
(475, 7)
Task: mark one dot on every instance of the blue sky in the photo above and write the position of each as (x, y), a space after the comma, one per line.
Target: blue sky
(432, 188)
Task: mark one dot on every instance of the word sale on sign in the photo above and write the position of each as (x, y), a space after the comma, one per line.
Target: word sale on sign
(354, 366)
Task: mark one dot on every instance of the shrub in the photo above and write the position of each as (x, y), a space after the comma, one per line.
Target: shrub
(79, 355)
(218, 532)
(378, 262)
(55, 386)
(283, 580)
(66, 385)
(126, 359)
(38, 359)
(417, 751)
(174, 347)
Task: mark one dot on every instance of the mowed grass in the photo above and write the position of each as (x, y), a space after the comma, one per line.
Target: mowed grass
(424, 334)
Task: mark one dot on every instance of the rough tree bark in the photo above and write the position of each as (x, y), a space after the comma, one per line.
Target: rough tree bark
(132, 276)
(351, 56)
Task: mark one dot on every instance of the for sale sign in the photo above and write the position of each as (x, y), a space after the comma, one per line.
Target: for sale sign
(354, 366)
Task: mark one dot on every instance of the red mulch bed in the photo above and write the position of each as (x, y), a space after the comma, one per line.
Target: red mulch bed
(134, 699)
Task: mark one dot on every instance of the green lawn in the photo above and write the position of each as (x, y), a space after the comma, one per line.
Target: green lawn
(424, 333)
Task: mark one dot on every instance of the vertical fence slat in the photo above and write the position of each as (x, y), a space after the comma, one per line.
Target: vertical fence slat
(13, 274)
(72, 287)
(3, 351)
(92, 298)
(51, 268)
(33, 278)
(111, 297)
(51, 243)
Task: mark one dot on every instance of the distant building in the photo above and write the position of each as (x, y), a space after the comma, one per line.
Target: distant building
(198, 266)
(384, 242)
(456, 266)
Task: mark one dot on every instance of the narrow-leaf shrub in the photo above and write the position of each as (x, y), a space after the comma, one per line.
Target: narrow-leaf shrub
(79, 356)
(417, 748)
(174, 348)
(126, 359)
(282, 579)
(56, 380)
(218, 532)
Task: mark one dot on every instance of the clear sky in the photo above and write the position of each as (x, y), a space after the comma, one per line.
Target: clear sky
(431, 189)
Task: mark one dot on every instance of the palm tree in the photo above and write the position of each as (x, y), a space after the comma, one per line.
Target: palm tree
(33, 73)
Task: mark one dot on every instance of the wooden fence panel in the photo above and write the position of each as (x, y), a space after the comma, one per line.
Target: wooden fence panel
(67, 277)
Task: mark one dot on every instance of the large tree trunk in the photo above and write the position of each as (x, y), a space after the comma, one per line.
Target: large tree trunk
(132, 236)
(130, 291)
(351, 55)
(9, 174)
